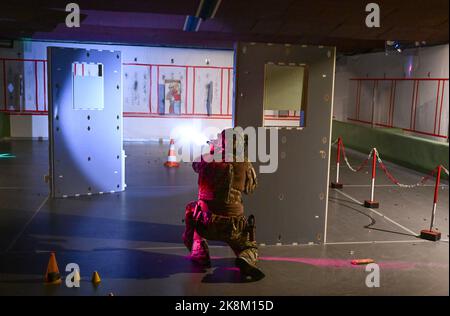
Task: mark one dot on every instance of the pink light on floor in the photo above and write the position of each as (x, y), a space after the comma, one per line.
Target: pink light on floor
(346, 263)
(321, 262)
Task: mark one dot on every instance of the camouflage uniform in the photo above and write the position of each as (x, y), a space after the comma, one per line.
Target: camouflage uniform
(219, 214)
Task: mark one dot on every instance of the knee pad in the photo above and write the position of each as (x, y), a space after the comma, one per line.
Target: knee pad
(201, 215)
(189, 213)
(190, 207)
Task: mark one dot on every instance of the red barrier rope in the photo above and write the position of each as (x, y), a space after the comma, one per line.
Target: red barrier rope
(397, 182)
(388, 174)
(361, 166)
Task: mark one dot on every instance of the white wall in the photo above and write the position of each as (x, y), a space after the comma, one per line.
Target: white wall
(426, 62)
(26, 126)
(136, 81)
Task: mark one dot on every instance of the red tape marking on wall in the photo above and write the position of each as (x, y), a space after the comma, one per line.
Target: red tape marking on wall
(414, 103)
(44, 85)
(228, 91)
(186, 92)
(36, 85)
(4, 85)
(193, 91)
(150, 89)
(440, 111)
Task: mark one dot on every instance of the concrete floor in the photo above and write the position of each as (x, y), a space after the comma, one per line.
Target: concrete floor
(133, 238)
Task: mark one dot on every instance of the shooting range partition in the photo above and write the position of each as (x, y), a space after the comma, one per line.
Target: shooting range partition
(291, 204)
(85, 122)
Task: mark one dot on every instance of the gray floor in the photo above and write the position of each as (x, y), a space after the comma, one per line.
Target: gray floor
(133, 238)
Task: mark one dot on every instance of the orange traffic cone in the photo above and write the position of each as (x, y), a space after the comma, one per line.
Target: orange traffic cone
(171, 156)
(96, 278)
(52, 275)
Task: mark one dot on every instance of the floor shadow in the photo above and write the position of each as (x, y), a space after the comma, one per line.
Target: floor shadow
(29, 268)
(372, 220)
(225, 271)
(224, 275)
(343, 200)
(64, 227)
(116, 264)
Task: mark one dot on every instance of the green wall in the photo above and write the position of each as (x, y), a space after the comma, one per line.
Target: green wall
(394, 145)
(4, 125)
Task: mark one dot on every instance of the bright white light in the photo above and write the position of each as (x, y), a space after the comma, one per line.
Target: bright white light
(189, 134)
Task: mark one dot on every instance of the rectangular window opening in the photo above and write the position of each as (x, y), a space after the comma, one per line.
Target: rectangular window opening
(285, 95)
(88, 86)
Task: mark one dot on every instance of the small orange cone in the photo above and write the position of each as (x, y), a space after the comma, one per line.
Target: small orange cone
(171, 156)
(52, 275)
(96, 278)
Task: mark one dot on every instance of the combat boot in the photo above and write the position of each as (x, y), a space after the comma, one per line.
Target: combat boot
(200, 253)
(246, 262)
(188, 240)
(188, 235)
